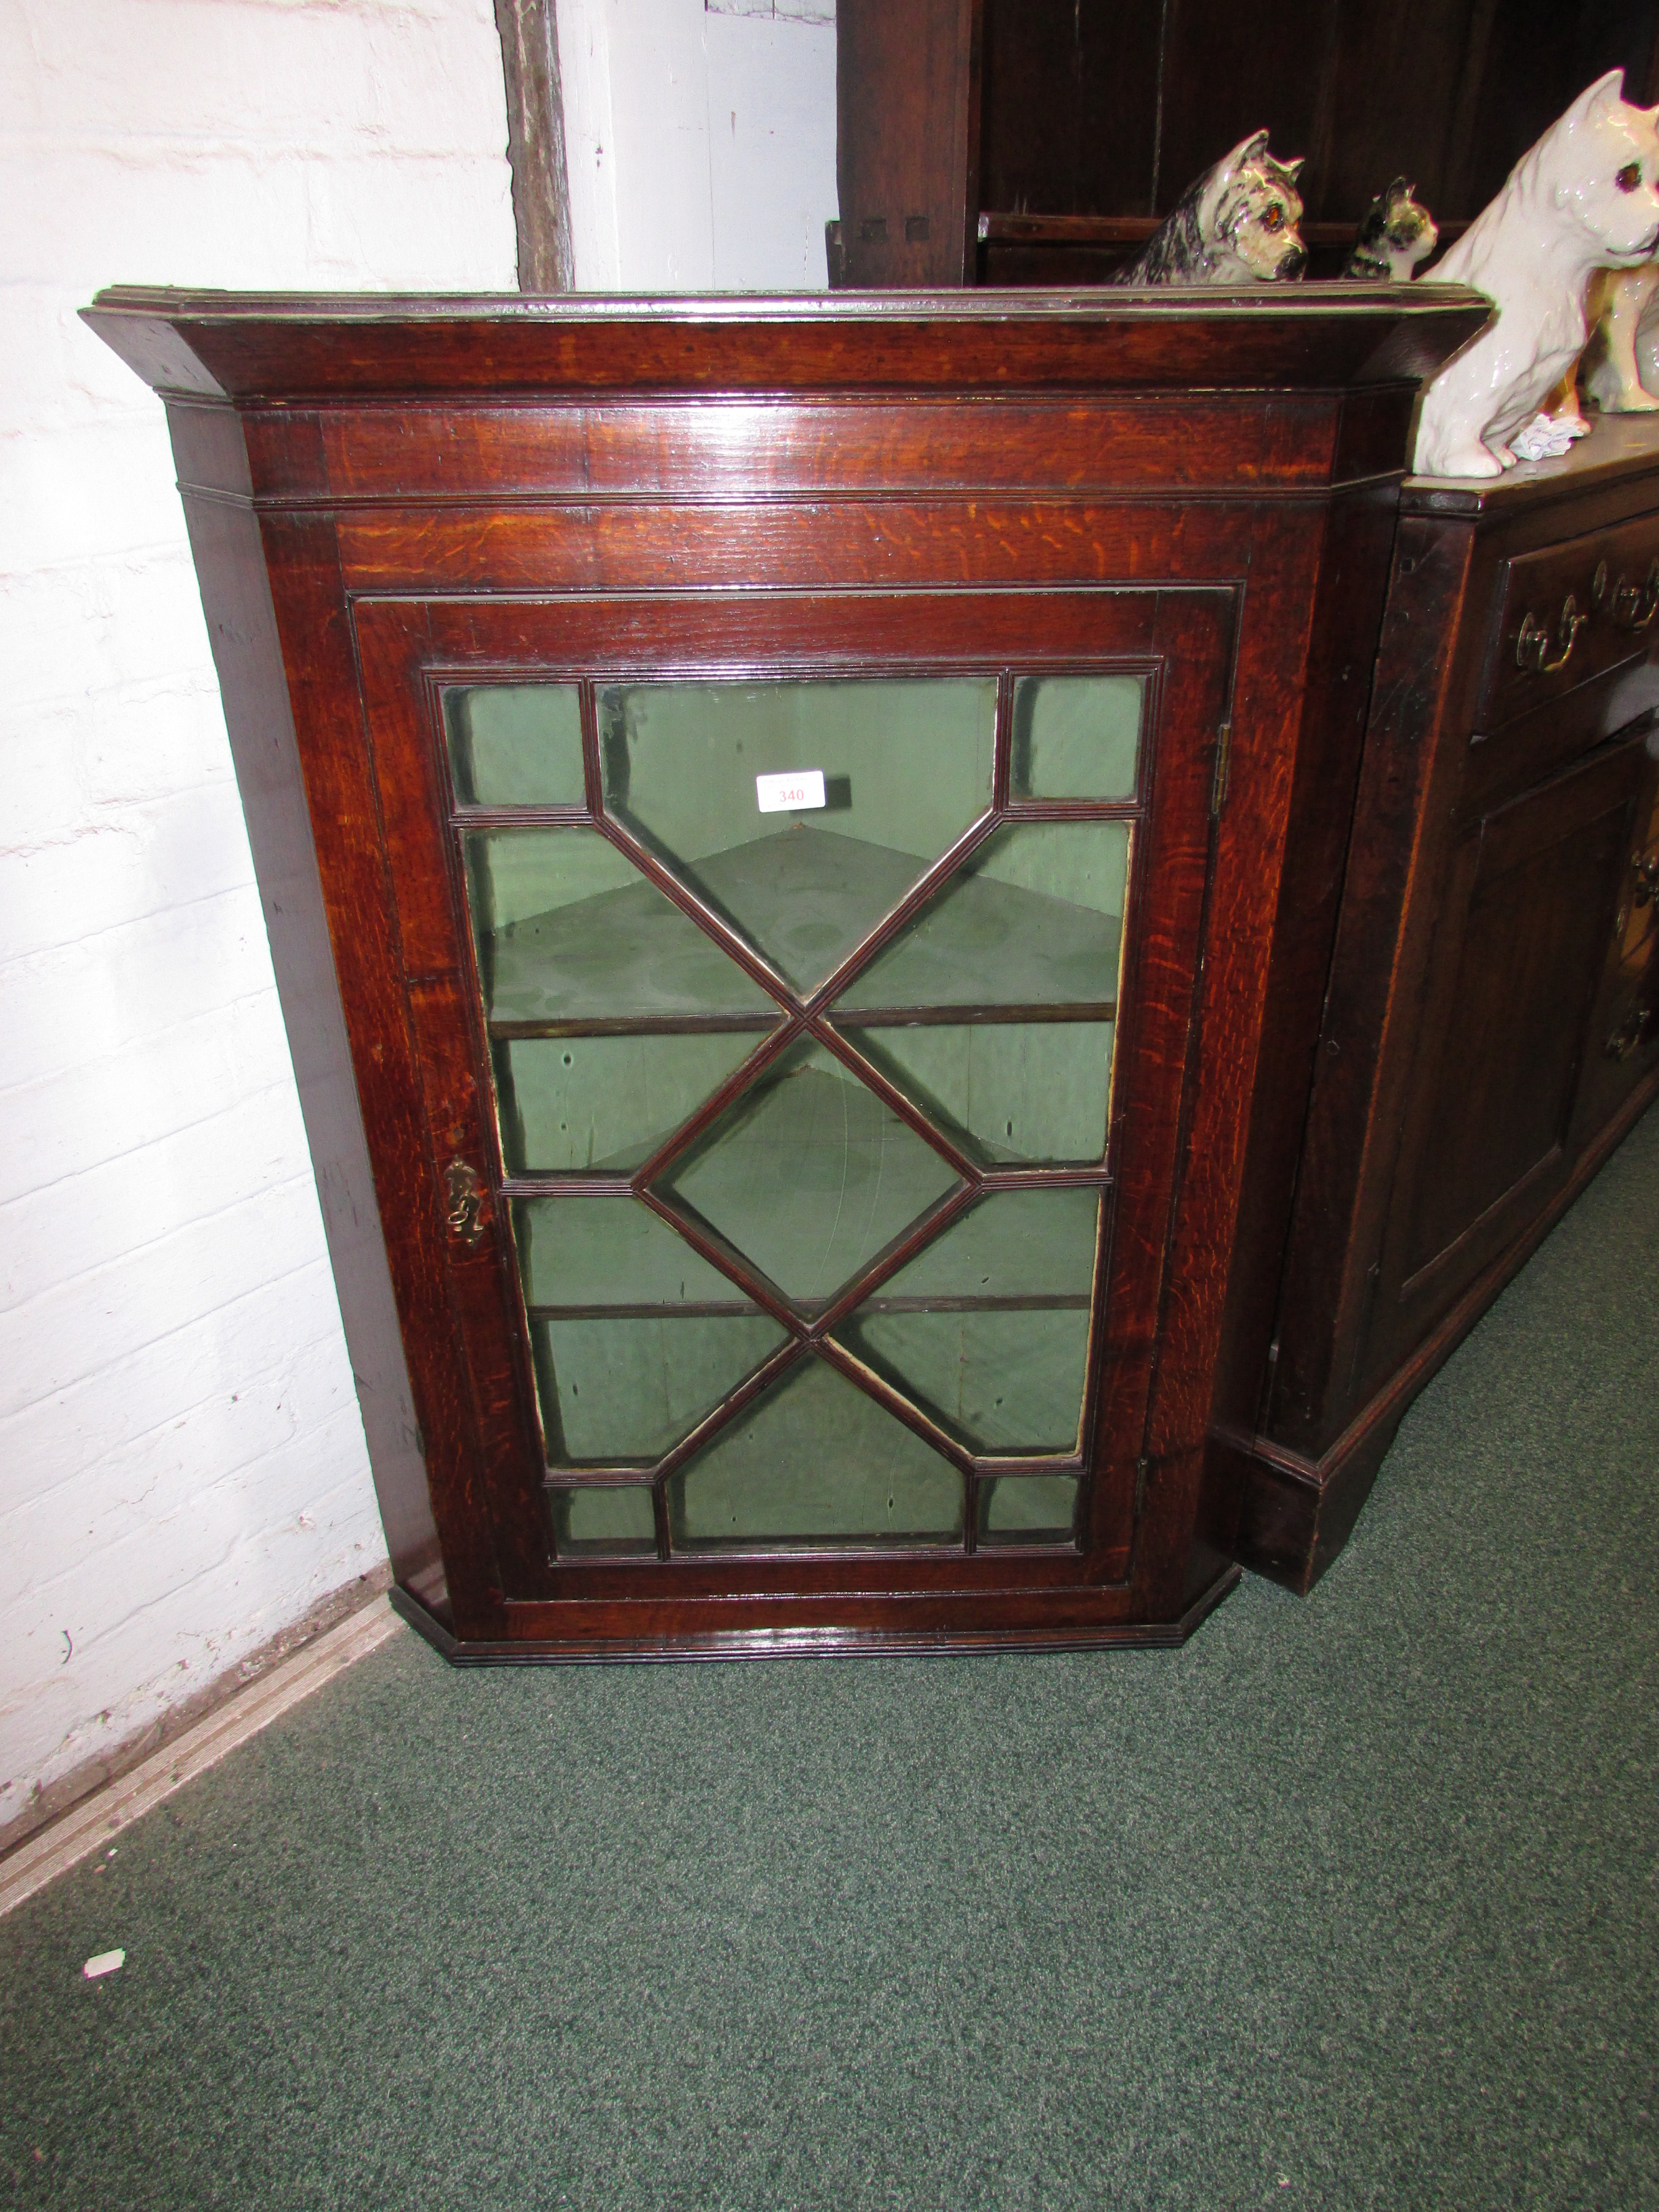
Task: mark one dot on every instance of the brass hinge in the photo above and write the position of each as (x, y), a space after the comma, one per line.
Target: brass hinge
(1223, 767)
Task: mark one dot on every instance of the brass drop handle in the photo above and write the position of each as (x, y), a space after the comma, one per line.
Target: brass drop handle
(1532, 645)
(1627, 605)
(1627, 1037)
(1646, 865)
(463, 1214)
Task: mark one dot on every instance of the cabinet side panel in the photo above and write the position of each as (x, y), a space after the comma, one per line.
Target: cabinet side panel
(1247, 842)
(1384, 933)
(242, 628)
(1354, 579)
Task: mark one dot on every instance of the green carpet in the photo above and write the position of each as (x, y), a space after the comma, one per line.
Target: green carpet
(1352, 1902)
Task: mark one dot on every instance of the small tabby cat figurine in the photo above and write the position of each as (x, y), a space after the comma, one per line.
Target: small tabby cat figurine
(1236, 225)
(1618, 309)
(1396, 233)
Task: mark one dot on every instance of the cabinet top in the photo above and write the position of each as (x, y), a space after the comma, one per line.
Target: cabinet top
(255, 346)
(1620, 448)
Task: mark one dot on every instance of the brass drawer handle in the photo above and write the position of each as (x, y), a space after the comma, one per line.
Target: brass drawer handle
(1627, 605)
(1532, 644)
(1627, 1037)
(464, 1215)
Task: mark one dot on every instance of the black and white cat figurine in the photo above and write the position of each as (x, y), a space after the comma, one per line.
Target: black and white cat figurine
(1397, 233)
(1236, 225)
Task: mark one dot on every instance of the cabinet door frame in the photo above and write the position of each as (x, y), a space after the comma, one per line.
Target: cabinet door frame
(1181, 639)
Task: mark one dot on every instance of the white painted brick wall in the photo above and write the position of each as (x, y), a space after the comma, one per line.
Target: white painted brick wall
(182, 1469)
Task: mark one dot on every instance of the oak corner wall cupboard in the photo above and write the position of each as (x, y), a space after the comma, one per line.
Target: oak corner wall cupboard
(794, 835)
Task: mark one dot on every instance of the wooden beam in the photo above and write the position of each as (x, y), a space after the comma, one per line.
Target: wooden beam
(535, 144)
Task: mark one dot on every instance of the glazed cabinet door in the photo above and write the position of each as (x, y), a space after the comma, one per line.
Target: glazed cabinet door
(801, 987)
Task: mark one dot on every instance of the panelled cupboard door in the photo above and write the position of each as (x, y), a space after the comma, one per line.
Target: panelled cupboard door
(802, 987)
(1509, 1034)
(1623, 1044)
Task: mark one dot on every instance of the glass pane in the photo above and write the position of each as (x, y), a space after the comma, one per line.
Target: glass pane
(815, 1458)
(624, 1389)
(987, 1330)
(587, 1252)
(567, 930)
(904, 767)
(997, 1382)
(1034, 918)
(1007, 1091)
(1013, 1244)
(515, 745)
(610, 1519)
(575, 1104)
(1076, 736)
(1028, 1508)
(810, 1175)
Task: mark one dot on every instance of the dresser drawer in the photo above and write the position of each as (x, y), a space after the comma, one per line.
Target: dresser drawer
(1532, 745)
(1569, 614)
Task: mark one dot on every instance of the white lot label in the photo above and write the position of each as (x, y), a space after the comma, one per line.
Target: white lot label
(782, 794)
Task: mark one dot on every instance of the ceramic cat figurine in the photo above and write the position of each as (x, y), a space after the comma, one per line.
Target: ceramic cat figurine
(1236, 225)
(1585, 197)
(1397, 233)
(1615, 307)
(1616, 302)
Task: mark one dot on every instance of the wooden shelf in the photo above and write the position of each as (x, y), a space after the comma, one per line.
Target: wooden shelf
(631, 959)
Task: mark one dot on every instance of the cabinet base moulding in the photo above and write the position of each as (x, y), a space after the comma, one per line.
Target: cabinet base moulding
(837, 1639)
(1295, 1513)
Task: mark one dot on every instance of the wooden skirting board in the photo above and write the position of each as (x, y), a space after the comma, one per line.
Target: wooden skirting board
(90, 1825)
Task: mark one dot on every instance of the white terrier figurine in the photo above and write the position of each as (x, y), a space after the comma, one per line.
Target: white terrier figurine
(1584, 198)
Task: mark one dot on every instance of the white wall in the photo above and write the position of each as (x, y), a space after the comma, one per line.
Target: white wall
(182, 1469)
(701, 143)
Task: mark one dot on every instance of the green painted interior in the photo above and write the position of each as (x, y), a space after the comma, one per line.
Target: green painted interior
(814, 1457)
(1033, 918)
(1076, 736)
(1008, 1092)
(999, 1379)
(610, 1520)
(1009, 1244)
(810, 1174)
(586, 1251)
(627, 1388)
(515, 745)
(906, 768)
(569, 931)
(1026, 1506)
(574, 1103)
